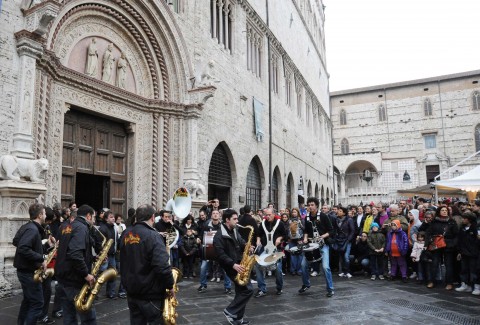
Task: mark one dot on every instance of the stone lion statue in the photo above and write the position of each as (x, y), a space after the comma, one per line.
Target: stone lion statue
(15, 168)
(196, 190)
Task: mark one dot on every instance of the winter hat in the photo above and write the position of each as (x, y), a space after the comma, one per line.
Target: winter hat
(397, 222)
(374, 224)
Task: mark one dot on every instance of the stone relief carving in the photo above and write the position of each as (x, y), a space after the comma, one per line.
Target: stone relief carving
(39, 19)
(196, 190)
(122, 66)
(15, 168)
(108, 62)
(92, 59)
(205, 76)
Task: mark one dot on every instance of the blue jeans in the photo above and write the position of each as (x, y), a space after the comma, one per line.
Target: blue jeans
(325, 267)
(346, 259)
(295, 261)
(110, 263)
(32, 302)
(70, 313)
(227, 283)
(261, 277)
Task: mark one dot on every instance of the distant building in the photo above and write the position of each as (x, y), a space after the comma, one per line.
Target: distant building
(401, 135)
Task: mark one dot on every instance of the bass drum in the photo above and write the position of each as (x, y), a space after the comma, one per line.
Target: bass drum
(208, 251)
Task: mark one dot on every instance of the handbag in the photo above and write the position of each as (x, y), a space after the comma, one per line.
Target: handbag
(438, 242)
(340, 244)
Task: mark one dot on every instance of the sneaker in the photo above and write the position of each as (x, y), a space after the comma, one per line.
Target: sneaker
(243, 322)
(341, 275)
(303, 289)
(476, 290)
(46, 320)
(283, 273)
(218, 280)
(202, 289)
(57, 314)
(228, 291)
(260, 293)
(212, 280)
(381, 277)
(314, 273)
(253, 281)
(414, 275)
(404, 280)
(122, 295)
(348, 275)
(330, 294)
(373, 278)
(269, 273)
(464, 288)
(279, 292)
(230, 319)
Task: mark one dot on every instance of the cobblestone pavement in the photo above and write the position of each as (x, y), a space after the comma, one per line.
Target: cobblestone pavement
(357, 301)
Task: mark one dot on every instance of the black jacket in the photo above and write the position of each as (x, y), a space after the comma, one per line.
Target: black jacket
(448, 228)
(144, 263)
(74, 253)
(321, 221)
(248, 220)
(468, 242)
(279, 232)
(29, 253)
(358, 230)
(346, 229)
(209, 226)
(189, 245)
(229, 246)
(161, 226)
(108, 231)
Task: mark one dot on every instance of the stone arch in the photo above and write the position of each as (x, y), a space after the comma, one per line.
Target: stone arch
(276, 187)
(361, 173)
(21, 209)
(220, 174)
(151, 35)
(255, 181)
(289, 190)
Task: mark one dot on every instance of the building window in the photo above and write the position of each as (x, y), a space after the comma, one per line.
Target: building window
(343, 117)
(344, 147)
(477, 138)
(254, 187)
(430, 141)
(274, 73)
(432, 171)
(288, 192)
(476, 101)
(275, 188)
(288, 89)
(221, 22)
(307, 112)
(382, 113)
(177, 5)
(299, 102)
(427, 107)
(254, 51)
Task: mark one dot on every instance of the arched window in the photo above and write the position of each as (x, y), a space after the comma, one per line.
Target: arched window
(254, 186)
(343, 117)
(427, 107)
(477, 137)
(316, 191)
(275, 187)
(476, 101)
(382, 114)
(344, 147)
(220, 176)
(288, 192)
(309, 189)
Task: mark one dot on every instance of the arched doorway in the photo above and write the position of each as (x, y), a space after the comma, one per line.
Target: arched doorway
(276, 187)
(254, 186)
(288, 191)
(220, 176)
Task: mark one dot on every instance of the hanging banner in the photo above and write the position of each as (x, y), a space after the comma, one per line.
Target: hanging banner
(257, 113)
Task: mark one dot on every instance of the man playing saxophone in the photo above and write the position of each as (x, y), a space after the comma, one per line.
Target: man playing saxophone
(229, 247)
(74, 263)
(145, 269)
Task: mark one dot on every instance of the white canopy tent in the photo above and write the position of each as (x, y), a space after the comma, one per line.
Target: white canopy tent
(469, 182)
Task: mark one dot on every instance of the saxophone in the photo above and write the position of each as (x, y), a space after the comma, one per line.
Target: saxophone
(248, 261)
(170, 304)
(41, 274)
(86, 296)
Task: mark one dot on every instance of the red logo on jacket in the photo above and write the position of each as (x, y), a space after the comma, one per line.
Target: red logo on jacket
(130, 239)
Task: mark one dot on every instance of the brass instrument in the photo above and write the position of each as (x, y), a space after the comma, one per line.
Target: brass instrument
(41, 274)
(248, 261)
(86, 296)
(180, 205)
(293, 229)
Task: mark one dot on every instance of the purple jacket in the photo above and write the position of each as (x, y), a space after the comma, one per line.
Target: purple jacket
(402, 242)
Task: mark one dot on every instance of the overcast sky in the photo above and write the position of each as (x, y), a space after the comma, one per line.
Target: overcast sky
(372, 42)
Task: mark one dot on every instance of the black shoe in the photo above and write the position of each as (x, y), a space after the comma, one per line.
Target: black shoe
(46, 320)
(303, 289)
(330, 294)
(259, 294)
(279, 292)
(57, 314)
(230, 319)
(228, 291)
(243, 322)
(404, 280)
(202, 289)
(122, 295)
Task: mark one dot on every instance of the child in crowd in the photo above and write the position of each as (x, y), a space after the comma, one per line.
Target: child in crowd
(189, 251)
(376, 244)
(396, 248)
(468, 253)
(416, 254)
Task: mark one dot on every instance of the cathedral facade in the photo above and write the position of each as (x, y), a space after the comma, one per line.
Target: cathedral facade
(116, 103)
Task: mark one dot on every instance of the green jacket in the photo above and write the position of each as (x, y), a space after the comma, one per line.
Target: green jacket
(376, 240)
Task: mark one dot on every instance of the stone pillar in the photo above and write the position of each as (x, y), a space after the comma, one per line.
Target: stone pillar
(220, 20)
(29, 50)
(342, 184)
(191, 159)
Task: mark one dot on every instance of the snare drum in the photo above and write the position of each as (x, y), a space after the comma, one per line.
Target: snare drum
(294, 250)
(313, 253)
(208, 251)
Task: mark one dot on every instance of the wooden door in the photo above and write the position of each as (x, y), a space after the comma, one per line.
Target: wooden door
(98, 147)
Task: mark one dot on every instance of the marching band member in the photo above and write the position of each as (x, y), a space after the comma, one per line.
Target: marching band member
(229, 246)
(317, 224)
(270, 235)
(145, 279)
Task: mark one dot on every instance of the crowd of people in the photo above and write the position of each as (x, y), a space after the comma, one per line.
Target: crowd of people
(431, 244)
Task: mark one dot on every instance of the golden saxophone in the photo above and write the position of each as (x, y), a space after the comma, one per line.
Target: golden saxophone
(86, 296)
(170, 304)
(41, 274)
(248, 261)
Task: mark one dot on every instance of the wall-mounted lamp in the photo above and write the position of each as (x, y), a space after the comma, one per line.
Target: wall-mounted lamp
(406, 177)
(300, 186)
